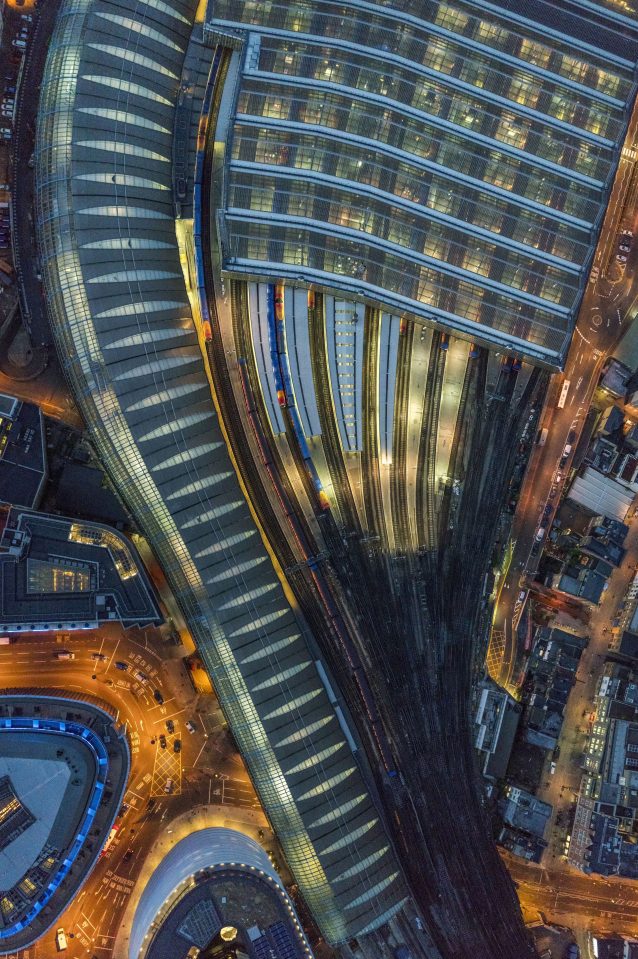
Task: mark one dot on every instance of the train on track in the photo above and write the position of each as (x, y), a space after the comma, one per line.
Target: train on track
(283, 383)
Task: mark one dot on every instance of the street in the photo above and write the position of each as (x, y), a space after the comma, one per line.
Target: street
(206, 770)
(608, 307)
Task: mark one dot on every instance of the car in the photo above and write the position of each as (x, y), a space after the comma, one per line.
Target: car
(157, 696)
(19, 44)
(170, 726)
(7, 113)
(162, 741)
(140, 676)
(522, 595)
(548, 509)
(572, 951)
(191, 727)
(27, 17)
(540, 532)
(120, 665)
(621, 257)
(177, 746)
(150, 804)
(552, 768)
(99, 656)
(128, 855)
(168, 788)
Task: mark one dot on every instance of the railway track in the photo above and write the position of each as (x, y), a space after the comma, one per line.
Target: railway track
(426, 492)
(418, 618)
(470, 402)
(403, 539)
(373, 498)
(329, 430)
(429, 632)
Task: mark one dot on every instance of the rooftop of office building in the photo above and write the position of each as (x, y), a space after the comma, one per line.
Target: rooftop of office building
(448, 160)
(58, 573)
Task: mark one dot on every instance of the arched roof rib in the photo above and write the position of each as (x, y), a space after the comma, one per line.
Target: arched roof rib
(364, 148)
(122, 322)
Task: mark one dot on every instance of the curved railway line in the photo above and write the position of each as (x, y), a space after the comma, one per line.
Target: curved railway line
(403, 537)
(371, 481)
(425, 492)
(409, 663)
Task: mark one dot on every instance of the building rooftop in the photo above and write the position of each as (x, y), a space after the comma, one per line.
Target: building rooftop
(600, 494)
(37, 771)
(23, 460)
(496, 722)
(413, 115)
(57, 756)
(526, 812)
(216, 878)
(57, 573)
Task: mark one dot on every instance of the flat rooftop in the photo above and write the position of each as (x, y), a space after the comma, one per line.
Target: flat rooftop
(229, 897)
(57, 756)
(23, 463)
(52, 777)
(58, 573)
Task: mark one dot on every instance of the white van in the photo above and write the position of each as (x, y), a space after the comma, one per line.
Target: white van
(60, 939)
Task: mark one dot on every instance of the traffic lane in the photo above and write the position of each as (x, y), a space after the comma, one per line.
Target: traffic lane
(583, 369)
(94, 917)
(133, 700)
(588, 901)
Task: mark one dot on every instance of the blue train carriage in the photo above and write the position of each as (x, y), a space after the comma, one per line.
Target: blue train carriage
(272, 344)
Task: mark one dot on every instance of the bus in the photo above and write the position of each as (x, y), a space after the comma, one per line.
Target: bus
(563, 395)
(111, 837)
(542, 436)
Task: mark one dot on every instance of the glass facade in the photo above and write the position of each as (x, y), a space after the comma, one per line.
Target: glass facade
(452, 160)
(125, 336)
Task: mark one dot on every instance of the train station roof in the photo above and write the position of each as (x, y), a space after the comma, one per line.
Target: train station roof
(120, 309)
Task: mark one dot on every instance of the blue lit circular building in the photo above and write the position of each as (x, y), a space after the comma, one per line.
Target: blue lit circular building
(215, 891)
(56, 757)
